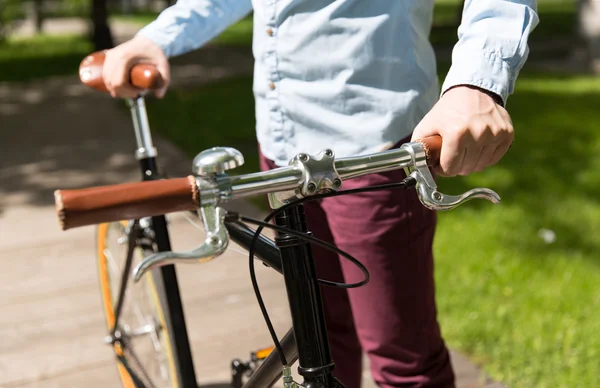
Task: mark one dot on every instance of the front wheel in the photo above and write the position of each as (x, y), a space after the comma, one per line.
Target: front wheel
(144, 349)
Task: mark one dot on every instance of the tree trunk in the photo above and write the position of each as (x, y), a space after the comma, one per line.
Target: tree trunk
(38, 15)
(588, 30)
(102, 36)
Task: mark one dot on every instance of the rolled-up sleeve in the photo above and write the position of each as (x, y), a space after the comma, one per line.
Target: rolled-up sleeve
(189, 24)
(492, 44)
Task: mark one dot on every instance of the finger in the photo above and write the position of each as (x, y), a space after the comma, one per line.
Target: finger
(160, 93)
(499, 153)
(470, 159)
(107, 71)
(127, 91)
(124, 90)
(111, 71)
(484, 157)
(165, 73)
(116, 74)
(121, 82)
(451, 156)
(424, 129)
(438, 171)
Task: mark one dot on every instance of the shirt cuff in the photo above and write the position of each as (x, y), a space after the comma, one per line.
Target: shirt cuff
(485, 70)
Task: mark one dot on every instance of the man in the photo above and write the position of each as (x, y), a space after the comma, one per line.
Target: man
(358, 76)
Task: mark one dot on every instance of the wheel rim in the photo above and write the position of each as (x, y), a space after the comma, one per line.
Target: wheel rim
(142, 323)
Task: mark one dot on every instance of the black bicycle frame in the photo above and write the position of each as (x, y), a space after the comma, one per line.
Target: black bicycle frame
(306, 304)
(292, 257)
(309, 342)
(171, 289)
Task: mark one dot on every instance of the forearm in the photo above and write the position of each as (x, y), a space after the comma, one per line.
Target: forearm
(189, 24)
(492, 46)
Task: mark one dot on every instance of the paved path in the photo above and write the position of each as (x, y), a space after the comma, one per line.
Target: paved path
(57, 134)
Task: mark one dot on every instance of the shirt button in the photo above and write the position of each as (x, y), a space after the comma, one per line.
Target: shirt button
(271, 85)
(270, 31)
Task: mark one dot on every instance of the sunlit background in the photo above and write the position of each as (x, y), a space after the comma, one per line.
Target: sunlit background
(518, 284)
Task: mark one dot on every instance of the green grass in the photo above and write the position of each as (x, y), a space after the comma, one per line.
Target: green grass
(41, 56)
(527, 310)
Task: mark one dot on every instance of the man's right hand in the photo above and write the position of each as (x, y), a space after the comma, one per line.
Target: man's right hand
(121, 59)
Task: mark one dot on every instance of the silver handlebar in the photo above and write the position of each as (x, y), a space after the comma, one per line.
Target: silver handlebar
(305, 176)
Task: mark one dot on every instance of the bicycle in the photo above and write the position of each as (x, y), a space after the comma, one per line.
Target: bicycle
(144, 204)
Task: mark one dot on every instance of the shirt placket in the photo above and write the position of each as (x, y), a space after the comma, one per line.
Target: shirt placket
(276, 119)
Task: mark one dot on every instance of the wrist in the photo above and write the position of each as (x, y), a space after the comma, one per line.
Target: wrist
(150, 42)
(147, 43)
(497, 99)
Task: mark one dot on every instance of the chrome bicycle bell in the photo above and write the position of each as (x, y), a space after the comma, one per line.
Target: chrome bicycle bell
(217, 160)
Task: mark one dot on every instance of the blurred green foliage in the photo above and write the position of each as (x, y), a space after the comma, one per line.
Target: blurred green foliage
(525, 307)
(72, 8)
(9, 11)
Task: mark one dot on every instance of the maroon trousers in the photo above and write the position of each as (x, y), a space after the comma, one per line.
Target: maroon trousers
(393, 318)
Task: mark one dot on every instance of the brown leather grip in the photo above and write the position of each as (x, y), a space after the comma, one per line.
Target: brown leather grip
(126, 201)
(432, 146)
(142, 76)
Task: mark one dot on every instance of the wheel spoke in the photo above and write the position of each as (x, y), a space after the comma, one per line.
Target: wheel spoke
(110, 259)
(144, 330)
(139, 320)
(136, 360)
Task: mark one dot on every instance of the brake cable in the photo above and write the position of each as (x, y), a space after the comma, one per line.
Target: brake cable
(406, 183)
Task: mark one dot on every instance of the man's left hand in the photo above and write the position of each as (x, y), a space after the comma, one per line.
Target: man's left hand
(476, 131)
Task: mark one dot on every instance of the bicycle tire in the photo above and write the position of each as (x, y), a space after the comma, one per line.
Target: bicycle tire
(145, 301)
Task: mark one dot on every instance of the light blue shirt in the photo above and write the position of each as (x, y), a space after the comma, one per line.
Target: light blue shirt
(353, 75)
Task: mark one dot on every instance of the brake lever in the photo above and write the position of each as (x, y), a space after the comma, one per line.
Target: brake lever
(426, 187)
(208, 164)
(217, 240)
